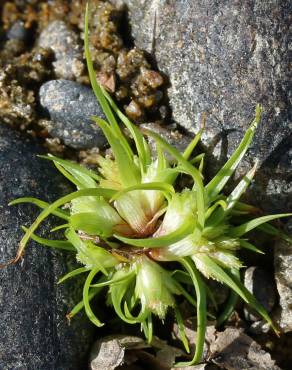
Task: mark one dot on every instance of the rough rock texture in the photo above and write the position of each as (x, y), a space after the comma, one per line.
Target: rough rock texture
(70, 106)
(222, 58)
(234, 350)
(262, 286)
(18, 32)
(283, 275)
(34, 332)
(64, 42)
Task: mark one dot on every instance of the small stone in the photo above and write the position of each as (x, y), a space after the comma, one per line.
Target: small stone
(133, 110)
(283, 276)
(34, 331)
(262, 286)
(18, 32)
(191, 334)
(198, 367)
(259, 327)
(70, 106)
(234, 350)
(109, 353)
(65, 44)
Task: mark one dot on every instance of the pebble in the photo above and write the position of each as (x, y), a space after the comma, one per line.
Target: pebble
(262, 286)
(234, 350)
(18, 32)
(65, 44)
(69, 106)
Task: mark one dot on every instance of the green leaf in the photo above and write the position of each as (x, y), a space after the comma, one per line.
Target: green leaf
(240, 189)
(117, 293)
(161, 241)
(93, 223)
(72, 274)
(41, 204)
(181, 329)
(107, 193)
(90, 254)
(211, 209)
(86, 178)
(271, 230)
(92, 317)
(167, 189)
(190, 148)
(238, 231)
(141, 145)
(80, 305)
(201, 311)
(219, 274)
(230, 304)
(59, 227)
(233, 198)
(245, 244)
(128, 170)
(58, 244)
(190, 169)
(214, 187)
(115, 280)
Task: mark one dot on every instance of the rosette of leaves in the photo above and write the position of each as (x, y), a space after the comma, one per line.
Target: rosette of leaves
(128, 218)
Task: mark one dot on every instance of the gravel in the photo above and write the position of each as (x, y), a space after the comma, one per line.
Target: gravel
(69, 105)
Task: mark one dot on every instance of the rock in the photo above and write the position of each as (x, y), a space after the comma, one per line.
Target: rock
(191, 334)
(197, 367)
(65, 44)
(259, 327)
(107, 354)
(112, 351)
(234, 350)
(262, 286)
(34, 332)
(18, 32)
(222, 59)
(70, 106)
(283, 276)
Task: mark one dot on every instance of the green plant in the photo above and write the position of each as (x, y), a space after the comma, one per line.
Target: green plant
(127, 220)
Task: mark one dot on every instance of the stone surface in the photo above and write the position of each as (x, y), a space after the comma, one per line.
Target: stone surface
(64, 42)
(283, 276)
(34, 332)
(70, 106)
(262, 286)
(223, 58)
(18, 32)
(198, 367)
(234, 350)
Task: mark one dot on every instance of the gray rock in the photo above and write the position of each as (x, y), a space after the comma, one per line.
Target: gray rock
(18, 32)
(34, 332)
(70, 106)
(259, 327)
(234, 350)
(283, 276)
(223, 58)
(198, 367)
(65, 44)
(262, 286)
